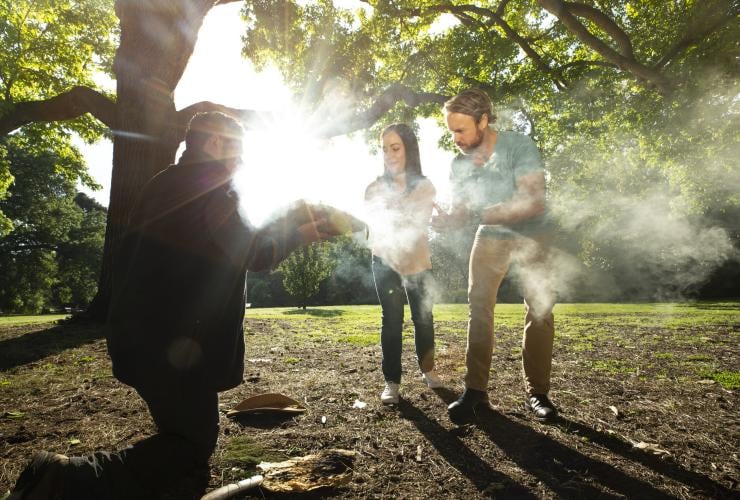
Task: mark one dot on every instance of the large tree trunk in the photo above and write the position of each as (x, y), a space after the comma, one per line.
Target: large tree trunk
(157, 40)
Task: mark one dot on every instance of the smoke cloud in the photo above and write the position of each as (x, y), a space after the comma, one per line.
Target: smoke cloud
(632, 222)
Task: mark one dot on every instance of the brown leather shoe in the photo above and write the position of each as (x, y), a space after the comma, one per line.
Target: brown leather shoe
(42, 479)
(541, 407)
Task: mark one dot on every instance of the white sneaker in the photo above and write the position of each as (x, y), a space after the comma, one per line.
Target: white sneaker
(389, 396)
(432, 379)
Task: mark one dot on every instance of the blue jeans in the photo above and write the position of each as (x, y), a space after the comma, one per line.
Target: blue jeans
(393, 290)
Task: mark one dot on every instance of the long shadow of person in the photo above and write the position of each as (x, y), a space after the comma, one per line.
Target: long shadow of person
(698, 484)
(567, 472)
(458, 455)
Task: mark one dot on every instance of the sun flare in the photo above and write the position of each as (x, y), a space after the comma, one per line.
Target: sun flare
(284, 160)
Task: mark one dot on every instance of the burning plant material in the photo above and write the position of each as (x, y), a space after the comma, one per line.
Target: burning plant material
(325, 469)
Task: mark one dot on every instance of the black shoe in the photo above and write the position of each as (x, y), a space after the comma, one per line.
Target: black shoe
(467, 406)
(43, 478)
(541, 407)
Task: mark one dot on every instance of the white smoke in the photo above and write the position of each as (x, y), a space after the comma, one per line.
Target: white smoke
(650, 248)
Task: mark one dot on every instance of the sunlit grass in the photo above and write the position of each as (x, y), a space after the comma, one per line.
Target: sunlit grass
(25, 320)
(588, 319)
(245, 453)
(580, 329)
(727, 378)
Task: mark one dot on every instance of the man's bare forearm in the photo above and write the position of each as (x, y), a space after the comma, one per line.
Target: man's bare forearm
(511, 212)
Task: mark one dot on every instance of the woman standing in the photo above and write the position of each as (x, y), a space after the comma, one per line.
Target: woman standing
(399, 205)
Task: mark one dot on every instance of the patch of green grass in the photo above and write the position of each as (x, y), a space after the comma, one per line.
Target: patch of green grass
(242, 451)
(291, 360)
(583, 346)
(585, 324)
(366, 339)
(728, 379)
(663, 355)
(612, 366)
(25, 320)
(351, 329)
(699, 357)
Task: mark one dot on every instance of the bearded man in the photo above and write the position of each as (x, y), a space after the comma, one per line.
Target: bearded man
(498, 184)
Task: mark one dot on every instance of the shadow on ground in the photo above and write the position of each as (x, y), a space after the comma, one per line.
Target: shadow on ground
(563, 469)
(566, 471)
(695, 482)
(320, 313)
(33, 346)
(458, 455)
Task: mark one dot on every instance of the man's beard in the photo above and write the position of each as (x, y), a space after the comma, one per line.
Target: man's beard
(470, 149)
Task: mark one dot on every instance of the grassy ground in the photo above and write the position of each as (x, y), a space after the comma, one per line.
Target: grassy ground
(664, 375)
(25, 320)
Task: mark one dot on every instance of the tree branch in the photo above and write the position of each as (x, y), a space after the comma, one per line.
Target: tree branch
(559, 9)
(66, 106)
(463, 12)
(337, 126)
(394, 94)
(605, 23)
(574, 64)
(501, 7)
(711, 21)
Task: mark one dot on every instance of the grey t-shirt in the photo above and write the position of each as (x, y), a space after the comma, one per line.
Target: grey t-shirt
(477, 187)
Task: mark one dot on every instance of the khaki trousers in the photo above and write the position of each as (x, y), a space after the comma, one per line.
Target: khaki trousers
(489, 262)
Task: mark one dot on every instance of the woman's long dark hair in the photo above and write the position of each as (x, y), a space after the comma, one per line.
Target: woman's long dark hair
(411, 146)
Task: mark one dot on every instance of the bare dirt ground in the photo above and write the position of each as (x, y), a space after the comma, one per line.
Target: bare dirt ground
(57, 394)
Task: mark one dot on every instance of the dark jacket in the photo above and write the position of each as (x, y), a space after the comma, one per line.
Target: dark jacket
(179, 287)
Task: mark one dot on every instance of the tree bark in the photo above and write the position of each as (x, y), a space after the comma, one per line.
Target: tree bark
(75, 102)
(157, 40)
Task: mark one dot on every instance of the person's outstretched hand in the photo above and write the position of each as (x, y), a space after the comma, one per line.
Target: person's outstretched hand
(315, 230)
(337, 222)
(316, 222)
(444, 221)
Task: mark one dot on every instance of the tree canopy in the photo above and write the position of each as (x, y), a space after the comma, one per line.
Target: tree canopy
(50, 47)
(51, 257)
(629, 100)
(632, 103)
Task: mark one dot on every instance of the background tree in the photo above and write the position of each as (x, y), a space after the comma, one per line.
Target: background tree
(304, 270)
(50, 258)
(351, 280)
(583, 75)
(79, 259)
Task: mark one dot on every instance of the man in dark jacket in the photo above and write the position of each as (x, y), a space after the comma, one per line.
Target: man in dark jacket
(175, 325)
